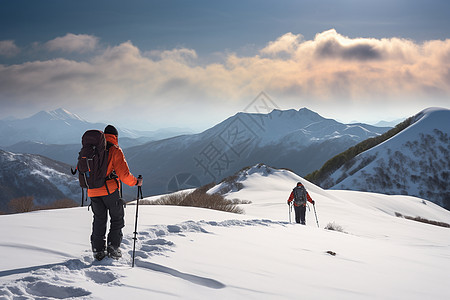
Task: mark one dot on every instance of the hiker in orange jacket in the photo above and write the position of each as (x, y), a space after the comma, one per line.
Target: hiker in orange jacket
(107, 198)
(299, 195)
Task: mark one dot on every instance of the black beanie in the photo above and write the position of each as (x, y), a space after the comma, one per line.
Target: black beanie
(111, 130)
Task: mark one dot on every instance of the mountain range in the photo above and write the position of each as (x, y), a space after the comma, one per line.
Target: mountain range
(300, 140)
(414, 161)
(62, 127)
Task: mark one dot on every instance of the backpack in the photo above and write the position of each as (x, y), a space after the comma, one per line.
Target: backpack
(300, 195)
(92, 160)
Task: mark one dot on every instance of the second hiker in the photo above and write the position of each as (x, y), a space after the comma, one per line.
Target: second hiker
(299, 195)
(107, 199)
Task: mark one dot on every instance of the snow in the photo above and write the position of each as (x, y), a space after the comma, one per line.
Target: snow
(194, 253)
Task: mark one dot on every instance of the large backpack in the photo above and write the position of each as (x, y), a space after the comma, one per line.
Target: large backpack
(300, 195)
(93, 160)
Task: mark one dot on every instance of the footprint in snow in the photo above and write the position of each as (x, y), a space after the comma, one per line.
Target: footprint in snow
(45, 289)
(101, 277)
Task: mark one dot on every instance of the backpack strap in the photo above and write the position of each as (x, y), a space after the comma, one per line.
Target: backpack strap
(112, 175)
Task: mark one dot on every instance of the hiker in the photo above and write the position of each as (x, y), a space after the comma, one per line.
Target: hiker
(299, 195)
(107, 198)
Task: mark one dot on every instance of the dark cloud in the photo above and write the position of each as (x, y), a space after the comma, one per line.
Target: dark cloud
(360, 51)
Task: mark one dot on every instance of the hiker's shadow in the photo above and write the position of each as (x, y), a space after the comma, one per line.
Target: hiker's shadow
(73, 264)
(207, 282)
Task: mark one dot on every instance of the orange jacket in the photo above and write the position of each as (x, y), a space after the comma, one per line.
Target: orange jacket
(291, 198)
(116, 162)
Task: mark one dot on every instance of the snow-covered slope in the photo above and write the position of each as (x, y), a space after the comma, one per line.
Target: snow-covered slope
(192, 253)
(414, 162)
(46, 180)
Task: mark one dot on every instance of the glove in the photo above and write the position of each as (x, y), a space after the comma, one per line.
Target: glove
(313, 202)
(289, 203)
(139, 181)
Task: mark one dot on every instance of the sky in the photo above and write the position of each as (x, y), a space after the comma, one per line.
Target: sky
(191, 64)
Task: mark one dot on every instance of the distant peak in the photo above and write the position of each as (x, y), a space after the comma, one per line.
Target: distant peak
(302, 112)
(307, 111)
(63, 114)
(304, 109)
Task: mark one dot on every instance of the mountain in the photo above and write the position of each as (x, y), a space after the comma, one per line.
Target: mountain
(414, 162)
(52, 127)
(67, 153)
(298, 140)
(194, 253)
(46, 180)
(63, 127)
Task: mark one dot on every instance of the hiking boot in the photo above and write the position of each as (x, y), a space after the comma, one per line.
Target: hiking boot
(114, 252)
(99, 255)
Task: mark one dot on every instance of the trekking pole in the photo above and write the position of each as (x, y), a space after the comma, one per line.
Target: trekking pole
(290, 210)
(317, 221)
(139, 195)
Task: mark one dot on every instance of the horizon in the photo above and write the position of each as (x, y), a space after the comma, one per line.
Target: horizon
(57, 110)
(152, 65)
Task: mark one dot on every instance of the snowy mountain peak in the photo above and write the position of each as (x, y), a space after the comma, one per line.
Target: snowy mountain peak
(59, 114)
(307, 112)
(63, 114)
(302, 113)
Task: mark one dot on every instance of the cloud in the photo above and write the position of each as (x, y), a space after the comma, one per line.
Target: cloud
(80, 43)
(360, 51)
(8, 48)
(331, 68)
(287, 44)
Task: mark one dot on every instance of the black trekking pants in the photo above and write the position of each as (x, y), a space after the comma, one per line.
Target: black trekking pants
(300, 213)
(100, 208)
